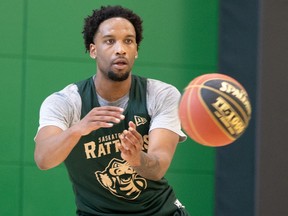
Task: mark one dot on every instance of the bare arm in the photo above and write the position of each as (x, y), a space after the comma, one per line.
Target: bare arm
(53, 145)
(153, 164)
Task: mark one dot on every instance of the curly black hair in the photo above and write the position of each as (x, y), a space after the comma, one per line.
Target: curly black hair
(92, 23)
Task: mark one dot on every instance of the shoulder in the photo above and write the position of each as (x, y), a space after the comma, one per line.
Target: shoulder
(157, 88)
(158, 83)
(69, 91)
(62, 102)
(68, 94)
(61, 108)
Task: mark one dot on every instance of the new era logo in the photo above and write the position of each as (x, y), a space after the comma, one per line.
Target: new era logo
(139, 120)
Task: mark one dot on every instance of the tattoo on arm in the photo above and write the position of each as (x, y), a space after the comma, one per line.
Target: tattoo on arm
(149, 168)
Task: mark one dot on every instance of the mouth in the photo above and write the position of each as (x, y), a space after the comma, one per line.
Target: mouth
(120, 63)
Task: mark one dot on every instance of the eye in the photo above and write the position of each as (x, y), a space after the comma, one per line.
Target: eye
(128, 41)
(109, 41)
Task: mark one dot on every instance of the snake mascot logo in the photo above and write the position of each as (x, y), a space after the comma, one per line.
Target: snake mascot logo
(121, 180)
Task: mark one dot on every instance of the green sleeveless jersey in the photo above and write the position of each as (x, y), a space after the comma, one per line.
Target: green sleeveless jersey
(104, 183)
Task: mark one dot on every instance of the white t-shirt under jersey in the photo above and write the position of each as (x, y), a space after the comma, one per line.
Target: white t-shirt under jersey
(63, 108)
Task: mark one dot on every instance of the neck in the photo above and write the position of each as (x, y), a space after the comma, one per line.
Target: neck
(111, 90)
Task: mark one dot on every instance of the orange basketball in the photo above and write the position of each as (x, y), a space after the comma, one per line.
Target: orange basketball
(214, 110)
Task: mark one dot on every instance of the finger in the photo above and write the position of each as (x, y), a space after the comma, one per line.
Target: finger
(125, 146)
(132, 125)
(110, 108)
(129, 137)
(107, 119)
(132, 142)
(99, 124)
(135, 133)
(106, 115)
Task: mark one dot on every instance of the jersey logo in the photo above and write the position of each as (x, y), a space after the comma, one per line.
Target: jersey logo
(140, 120)
(178, 204)
(121, 180)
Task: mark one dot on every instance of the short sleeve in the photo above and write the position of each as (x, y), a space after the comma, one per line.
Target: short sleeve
(163, 101)
(61, 109)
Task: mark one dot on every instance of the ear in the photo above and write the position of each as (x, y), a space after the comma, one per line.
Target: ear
(136, 55)
(92, 50)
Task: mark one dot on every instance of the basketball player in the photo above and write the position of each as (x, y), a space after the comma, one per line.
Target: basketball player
(115, 132)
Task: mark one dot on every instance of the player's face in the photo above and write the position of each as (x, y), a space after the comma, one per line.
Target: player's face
(115, 48)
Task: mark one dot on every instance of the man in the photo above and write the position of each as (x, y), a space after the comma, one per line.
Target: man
(115, 132)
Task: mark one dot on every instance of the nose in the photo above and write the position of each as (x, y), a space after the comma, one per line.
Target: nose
(120, 49)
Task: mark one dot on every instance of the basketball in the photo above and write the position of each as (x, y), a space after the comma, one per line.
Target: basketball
(214, 110)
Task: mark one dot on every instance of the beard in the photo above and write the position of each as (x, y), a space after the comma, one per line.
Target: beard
(118, 77)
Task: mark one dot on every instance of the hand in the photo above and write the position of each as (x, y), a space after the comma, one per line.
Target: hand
(131, 145)
(100, 117)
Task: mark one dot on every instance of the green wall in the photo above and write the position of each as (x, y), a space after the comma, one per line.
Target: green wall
(42, 51)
